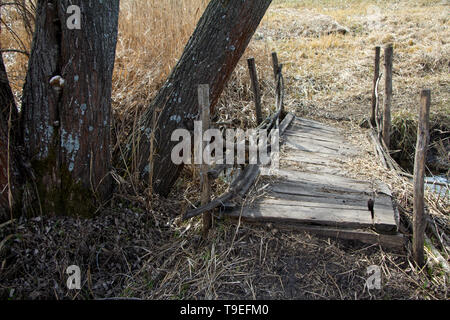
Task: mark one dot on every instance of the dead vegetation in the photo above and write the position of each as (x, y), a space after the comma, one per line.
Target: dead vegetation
(290, 23)
(126, 253)
(139, 247)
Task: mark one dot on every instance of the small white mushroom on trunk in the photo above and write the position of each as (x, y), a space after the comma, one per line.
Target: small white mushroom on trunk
(57, 82)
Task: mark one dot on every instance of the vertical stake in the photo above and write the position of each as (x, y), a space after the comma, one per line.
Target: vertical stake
(419, 221)
(255, 87)
(375, 80)
(275, 65)
(388, 56)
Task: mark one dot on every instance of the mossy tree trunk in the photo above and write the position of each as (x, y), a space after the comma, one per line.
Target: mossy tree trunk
(66, 108)
(212, 53)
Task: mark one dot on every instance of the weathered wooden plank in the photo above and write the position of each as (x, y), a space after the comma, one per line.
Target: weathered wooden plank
(320, 190)
(352, 206)
(321, 141)
(310, 145)
(326, 216)
(312, 167)
(395, 242)
(313, 135)
(387, 241)
(329, 181)
(295, 127)
(355, 207)
(336, 182)
(311, 161)
(313, 157)
(305, 135)
(315, 125)
(383, 203)
(324, 194)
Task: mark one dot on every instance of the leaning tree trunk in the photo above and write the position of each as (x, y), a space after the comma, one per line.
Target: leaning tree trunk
(66, 109)
(212, 53)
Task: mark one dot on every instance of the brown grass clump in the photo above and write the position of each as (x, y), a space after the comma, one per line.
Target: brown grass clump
(152, 35)
(404, 137)
(330, 76)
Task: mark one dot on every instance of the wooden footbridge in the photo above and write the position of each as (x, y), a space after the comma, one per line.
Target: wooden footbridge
(311, 191)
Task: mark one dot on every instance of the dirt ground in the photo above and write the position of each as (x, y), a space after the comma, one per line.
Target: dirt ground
(129, 253)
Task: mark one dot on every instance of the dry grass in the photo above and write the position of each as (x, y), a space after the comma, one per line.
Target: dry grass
(328, 76)
(332, 74)
(152, 35)
(16, 34)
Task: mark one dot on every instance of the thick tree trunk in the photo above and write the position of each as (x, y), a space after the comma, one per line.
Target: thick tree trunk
(212, 53)
(66, 122)
(9, 170)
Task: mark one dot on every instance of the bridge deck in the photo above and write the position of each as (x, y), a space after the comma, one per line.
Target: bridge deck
(312, 193)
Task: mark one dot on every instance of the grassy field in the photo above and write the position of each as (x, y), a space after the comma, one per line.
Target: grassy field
(328, 77)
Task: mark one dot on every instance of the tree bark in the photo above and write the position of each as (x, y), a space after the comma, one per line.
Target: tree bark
(66, 123)
(212, 53)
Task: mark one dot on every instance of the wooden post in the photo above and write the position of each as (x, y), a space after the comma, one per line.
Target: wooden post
(278, 85)
(255, 87)
(280, 92)
(388, 56)
(419, 221)
(375, 80)
(204, 105)
(276, 65)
